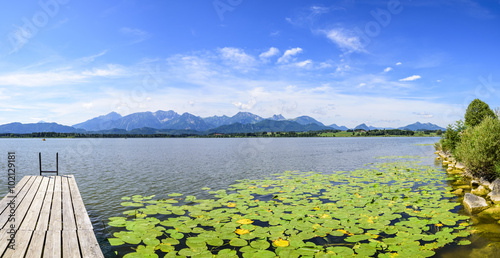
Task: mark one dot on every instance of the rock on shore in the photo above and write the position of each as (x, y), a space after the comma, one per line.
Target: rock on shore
(474, 204)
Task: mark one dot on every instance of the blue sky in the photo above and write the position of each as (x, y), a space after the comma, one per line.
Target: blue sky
(384, 63)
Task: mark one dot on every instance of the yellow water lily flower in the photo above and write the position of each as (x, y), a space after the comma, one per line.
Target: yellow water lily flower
(231, 205)
(241, 231)
(245, 221)
(439, 225)
(281, 243)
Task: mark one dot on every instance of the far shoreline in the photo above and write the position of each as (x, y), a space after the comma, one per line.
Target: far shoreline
(316, 134)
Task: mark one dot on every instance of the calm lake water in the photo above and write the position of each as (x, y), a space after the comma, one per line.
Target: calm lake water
(108, 169)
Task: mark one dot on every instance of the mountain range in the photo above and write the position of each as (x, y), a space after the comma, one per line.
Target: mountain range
(170, 122)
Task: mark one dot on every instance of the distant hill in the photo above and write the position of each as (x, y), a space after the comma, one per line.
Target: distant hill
(277, 117)
(268, 126)
(99, 123)
(336, 127)
(37, 128)
(216, 121)
(421, 127)
(305, 120)
(362, 127)
(245, 118)
(186, 122)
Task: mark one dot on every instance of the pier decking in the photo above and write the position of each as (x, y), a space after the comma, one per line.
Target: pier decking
(50, 219)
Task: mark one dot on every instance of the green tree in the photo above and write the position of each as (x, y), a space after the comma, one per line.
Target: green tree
(476, 112)
(479, 148)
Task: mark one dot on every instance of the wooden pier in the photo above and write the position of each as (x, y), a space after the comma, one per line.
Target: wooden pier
(49, 218)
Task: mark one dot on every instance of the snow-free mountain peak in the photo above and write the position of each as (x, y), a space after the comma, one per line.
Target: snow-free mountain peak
(305, 120)
(277, 117)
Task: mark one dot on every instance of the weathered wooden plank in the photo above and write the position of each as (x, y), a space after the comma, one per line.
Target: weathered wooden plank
(4, 217)
(16, 190)
(50, 204)
(4, 240)
(43, 219)
(35, 248)
(90, 246)
(55, 222)
(22, 241)
(82, 218)
(52, 246)
(67, 206)
(23, 206)
(30, 221)
(70, 244)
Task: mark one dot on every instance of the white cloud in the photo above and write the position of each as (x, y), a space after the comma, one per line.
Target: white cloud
(410, 78)
(342, 68)
(399, 63)
(362, 84)
(424, 114)
(39, 79)
(287, 56)
(57, 77)
(236, 55)
(271, 52)
(304, 63)
(249, 105)
(388, 69)
(109, 70)
(324, 65)
(346, 40)
(316, 10)
(90, 59)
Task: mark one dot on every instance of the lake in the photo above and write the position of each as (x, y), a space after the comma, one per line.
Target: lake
(108, 169)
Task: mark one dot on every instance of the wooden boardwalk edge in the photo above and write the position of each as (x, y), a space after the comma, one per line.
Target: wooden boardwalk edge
(49, 219)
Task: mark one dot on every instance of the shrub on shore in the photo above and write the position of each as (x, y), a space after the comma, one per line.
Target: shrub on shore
(451, 137)
(479, 148)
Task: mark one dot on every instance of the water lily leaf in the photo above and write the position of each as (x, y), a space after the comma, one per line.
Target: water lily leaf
(238, 242)
(175, 194)
(166, 248)
(118, 223)
(215, 242)
(128, 237)
(115, 241)
(227, 253)
(259, 254)
(177, 235)
(464, 242)
(131, 204)
(260, 244)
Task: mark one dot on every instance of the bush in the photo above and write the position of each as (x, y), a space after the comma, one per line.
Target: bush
(479, 148)
(451, 137)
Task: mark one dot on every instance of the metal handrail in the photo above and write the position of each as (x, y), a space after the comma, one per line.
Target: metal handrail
(40, 164)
